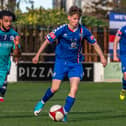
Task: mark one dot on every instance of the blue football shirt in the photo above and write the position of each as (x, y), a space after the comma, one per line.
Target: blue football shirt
(69, 42)
(122, 42)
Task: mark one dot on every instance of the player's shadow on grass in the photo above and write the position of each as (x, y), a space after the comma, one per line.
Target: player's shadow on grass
(101, 115)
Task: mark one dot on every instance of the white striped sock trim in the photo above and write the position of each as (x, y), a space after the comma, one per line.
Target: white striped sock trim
(65, 111)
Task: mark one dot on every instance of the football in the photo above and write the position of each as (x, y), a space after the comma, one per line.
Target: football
(56, 113)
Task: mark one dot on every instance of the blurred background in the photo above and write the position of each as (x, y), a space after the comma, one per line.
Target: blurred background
(98, 101)
(35, 18)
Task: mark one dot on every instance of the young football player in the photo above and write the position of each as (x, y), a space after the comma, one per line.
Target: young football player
(121, 39)
(68, 58)
(9, 41)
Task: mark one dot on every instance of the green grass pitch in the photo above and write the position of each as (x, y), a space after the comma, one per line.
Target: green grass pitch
(97, 104)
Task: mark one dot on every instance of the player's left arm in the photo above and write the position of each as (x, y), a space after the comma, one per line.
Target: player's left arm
(16, 49)
(116, 41)
(100, 53)
(91, 39)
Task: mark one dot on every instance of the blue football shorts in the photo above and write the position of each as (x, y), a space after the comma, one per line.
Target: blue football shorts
(65, 68)
(123, 62)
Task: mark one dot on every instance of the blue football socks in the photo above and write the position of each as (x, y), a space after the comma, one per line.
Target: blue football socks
(69, 103)
(47, 95)
(3, 89)
(124, 84)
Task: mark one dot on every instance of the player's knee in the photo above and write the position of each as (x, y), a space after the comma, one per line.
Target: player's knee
(55, 89)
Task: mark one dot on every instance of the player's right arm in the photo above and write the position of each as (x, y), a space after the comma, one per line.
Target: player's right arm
(50, 38)
(16, 49)
(42, 47)
(116, 41)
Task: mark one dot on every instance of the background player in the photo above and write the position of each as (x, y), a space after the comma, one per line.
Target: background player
(121, 39)
(9, 40)
(68, 57)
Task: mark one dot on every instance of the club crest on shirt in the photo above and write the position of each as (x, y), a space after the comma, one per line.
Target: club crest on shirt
(11, 38)
(73, 45)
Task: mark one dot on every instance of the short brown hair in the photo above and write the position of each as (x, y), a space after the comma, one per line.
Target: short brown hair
(75, 10)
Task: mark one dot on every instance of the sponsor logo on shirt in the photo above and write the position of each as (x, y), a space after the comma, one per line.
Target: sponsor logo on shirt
(119, 33)
(52, 35)
(92, 38)
(6, 37)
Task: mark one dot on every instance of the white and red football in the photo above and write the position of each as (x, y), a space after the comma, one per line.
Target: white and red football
(56, 113)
